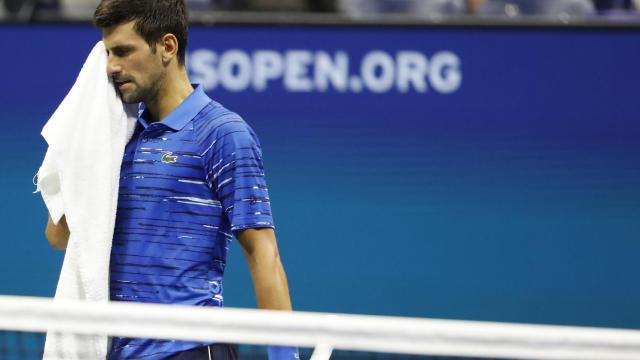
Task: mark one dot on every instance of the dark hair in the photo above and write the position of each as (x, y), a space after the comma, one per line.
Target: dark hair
(153, 19)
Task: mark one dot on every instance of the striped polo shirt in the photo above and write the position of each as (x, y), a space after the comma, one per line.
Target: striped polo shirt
(187, 184)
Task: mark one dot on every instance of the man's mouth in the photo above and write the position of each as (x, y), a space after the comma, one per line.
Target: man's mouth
(122, 83)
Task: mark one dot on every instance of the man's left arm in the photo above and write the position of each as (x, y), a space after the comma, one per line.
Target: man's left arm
(269, 279)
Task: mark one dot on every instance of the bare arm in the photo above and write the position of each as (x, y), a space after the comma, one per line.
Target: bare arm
(58, 235)
(269, 279)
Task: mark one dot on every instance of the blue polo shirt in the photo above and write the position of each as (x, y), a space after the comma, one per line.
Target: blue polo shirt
(187, 183)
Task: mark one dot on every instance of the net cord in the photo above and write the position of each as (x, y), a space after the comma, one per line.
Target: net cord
(325, 332)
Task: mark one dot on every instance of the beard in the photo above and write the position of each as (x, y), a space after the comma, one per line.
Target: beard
(145, 89)
(132, 98)
(134, 95)
(137, 93)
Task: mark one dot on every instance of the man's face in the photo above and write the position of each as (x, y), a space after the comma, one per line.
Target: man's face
(137, 71)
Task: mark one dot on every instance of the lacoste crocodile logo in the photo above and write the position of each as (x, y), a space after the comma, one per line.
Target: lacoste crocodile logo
(167, 158)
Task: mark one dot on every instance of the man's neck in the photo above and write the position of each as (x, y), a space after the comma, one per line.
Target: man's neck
(172, 93)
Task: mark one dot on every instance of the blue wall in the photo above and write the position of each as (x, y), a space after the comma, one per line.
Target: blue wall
(489, 174)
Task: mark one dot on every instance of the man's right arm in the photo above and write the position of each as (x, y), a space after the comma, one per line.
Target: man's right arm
(58, 235)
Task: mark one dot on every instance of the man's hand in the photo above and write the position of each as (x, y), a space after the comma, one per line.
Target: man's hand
(58, 235)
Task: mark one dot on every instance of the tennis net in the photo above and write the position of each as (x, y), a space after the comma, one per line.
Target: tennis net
(24, 321)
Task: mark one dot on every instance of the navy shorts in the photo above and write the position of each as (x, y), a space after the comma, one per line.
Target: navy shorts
(211, 352)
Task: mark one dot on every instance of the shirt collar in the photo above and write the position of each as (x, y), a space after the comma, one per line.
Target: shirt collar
(184, 113)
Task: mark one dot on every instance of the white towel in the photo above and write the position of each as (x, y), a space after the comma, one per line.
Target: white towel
(79, 178)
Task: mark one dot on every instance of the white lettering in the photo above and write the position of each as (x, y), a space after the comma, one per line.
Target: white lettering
(331, 72)
(378, 81)
(445, 75)
(203, 70)
(235, 70)
(267, 65)
(412, 71)
(296, 71)
(322, 71)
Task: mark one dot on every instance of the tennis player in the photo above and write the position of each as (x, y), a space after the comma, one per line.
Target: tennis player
(192, 176)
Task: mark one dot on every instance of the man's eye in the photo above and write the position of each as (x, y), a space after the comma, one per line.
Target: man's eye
(121, 52)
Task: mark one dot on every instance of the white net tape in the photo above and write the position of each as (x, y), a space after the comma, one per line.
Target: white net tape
(324, 332)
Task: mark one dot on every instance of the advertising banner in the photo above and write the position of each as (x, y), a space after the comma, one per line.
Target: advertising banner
(472, 173)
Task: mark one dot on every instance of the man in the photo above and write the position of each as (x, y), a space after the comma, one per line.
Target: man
(191, 177)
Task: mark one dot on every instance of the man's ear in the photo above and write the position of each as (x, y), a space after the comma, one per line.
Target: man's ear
(169, 46)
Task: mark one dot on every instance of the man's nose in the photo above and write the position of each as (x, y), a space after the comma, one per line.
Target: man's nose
(113, 68)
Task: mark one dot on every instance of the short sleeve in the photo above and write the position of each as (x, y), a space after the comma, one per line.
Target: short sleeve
(235, 173)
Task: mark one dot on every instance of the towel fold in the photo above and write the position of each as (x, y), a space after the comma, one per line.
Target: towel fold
(79, 178)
